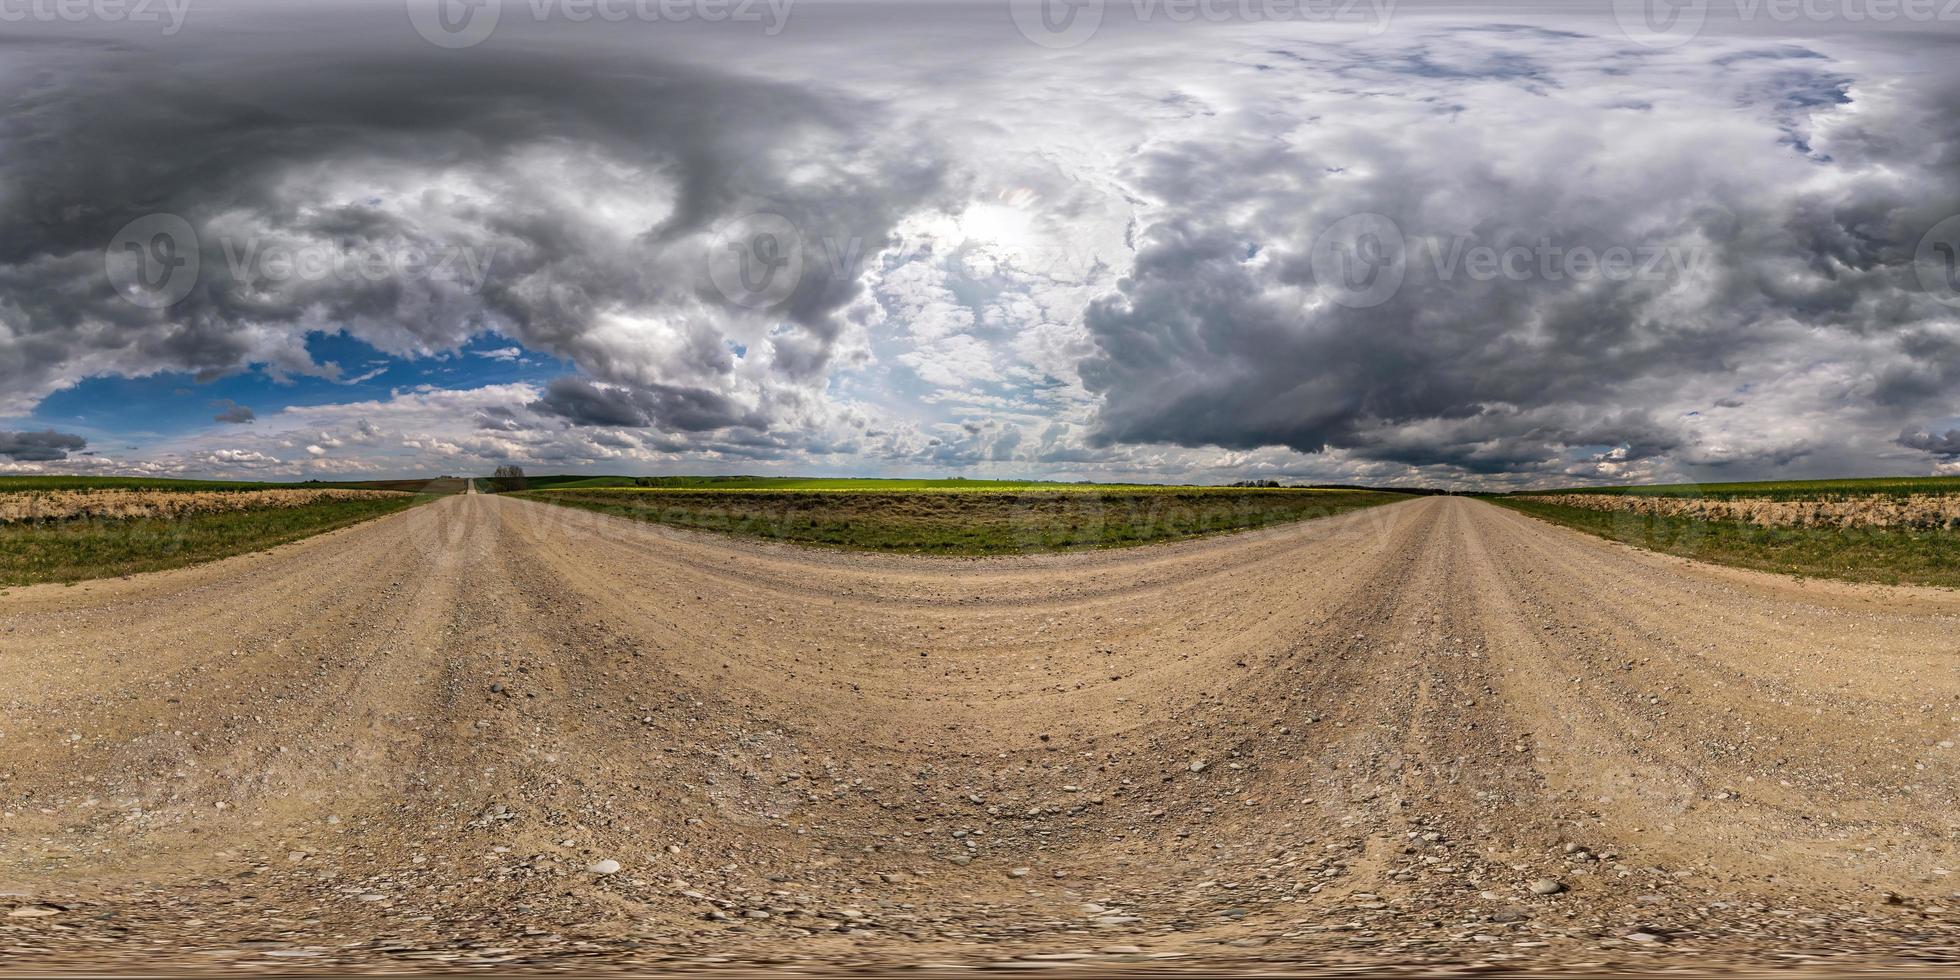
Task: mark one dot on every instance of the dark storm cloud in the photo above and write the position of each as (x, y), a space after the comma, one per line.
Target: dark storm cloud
(665, 407)
(1945, 445)
(1201, 348)
(232, 413)
(427, 187)
(584, 403)
(39, 447)
(1223, 333)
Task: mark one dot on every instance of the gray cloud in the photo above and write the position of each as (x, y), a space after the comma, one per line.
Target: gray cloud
(232, 413)
(1225, 334)
(500, 419)
(39, 447)
(351, 147)
(665, 407)
(1945, 445)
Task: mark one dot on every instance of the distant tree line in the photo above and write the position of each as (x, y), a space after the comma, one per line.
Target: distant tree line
(507, 478)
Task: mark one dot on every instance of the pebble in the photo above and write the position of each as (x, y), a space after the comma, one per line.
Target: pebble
(1547, 886)
(605, 867)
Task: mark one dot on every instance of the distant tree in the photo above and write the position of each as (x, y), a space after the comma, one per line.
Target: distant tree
(507, 478)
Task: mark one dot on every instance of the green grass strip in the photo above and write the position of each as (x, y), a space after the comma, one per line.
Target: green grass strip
(1891, 556)
(1784, 489)
(70, 551)
(976, 523)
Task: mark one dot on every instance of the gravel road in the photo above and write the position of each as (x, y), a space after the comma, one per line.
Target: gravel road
(490, 731)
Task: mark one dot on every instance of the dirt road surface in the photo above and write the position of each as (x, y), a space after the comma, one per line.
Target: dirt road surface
(428, 742)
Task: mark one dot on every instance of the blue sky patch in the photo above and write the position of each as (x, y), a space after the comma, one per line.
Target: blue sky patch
(120, 412)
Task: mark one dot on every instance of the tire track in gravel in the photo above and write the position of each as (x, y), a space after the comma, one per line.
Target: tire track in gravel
(279, 679)
(1356, 740)
(1721, 742)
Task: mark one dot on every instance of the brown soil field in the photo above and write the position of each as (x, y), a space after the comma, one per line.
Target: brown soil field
(1431, 737)
(1919, 510)
(63, 505)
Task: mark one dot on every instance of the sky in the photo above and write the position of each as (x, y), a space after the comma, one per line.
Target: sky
(1474, 245)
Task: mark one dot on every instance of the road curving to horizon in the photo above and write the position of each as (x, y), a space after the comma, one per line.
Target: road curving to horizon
(418, 743)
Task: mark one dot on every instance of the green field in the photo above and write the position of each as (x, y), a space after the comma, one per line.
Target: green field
(83, 548)
(1891, 556)
(435, 487)
(575, 482)
(13, 483)
(965, 517)
(1783, 489)
(69, 551)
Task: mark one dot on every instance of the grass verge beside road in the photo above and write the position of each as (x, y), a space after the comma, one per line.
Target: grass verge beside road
(969, 521)
(1787, 489)
(69, 551)
(11, 483)
(1890, 556)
